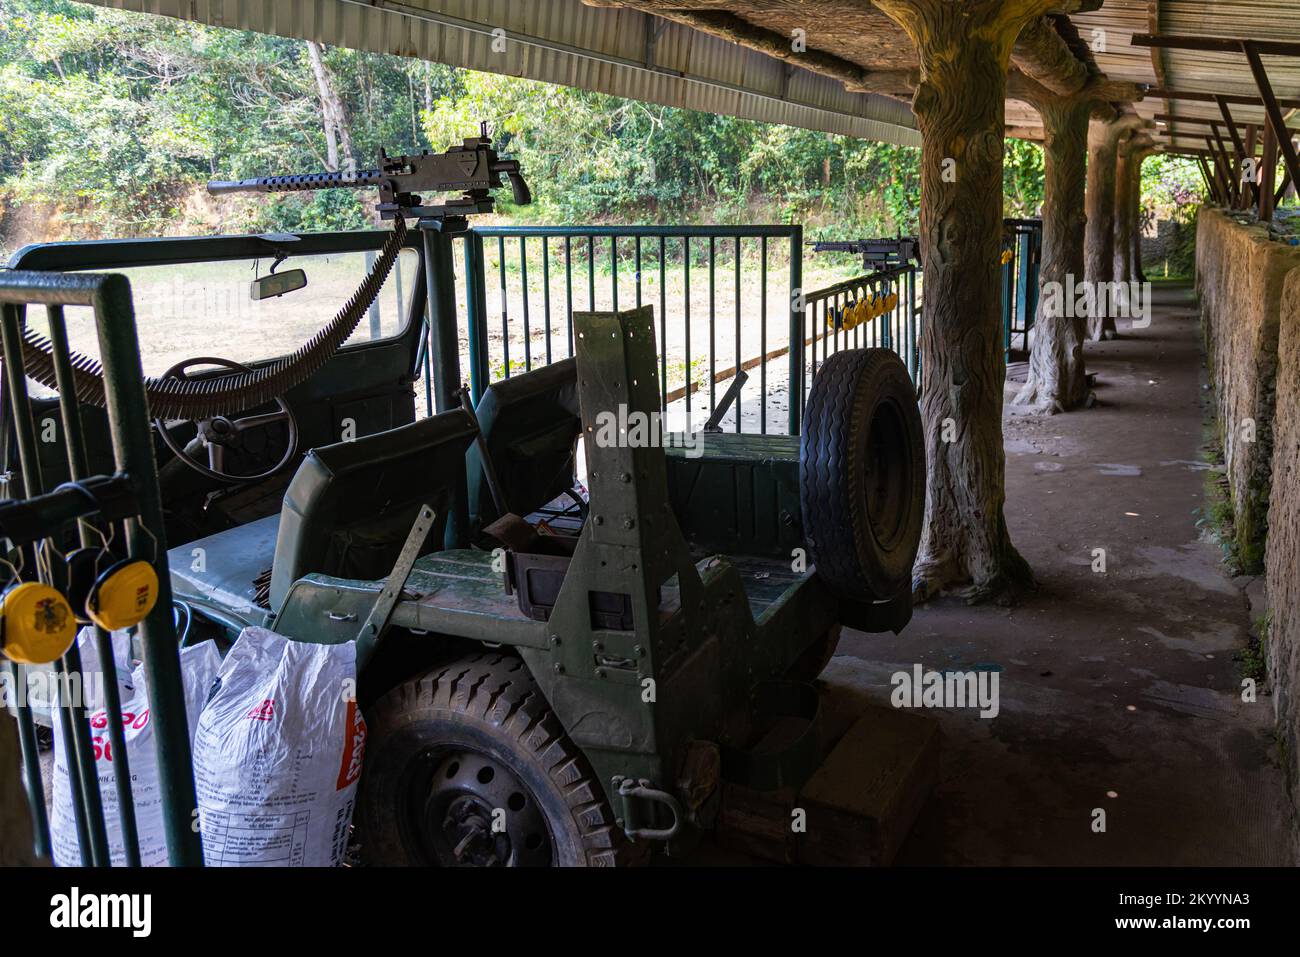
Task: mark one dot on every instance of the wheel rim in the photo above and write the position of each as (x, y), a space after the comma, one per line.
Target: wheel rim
(470, 810)
(888, 474)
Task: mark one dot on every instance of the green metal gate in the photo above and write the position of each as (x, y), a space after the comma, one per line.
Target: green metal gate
(44, 523)
(1022, 245)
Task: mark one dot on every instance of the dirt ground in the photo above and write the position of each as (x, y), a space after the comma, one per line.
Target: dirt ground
(1118, 690)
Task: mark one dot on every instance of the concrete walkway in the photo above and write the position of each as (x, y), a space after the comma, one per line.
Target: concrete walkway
(1119, 691)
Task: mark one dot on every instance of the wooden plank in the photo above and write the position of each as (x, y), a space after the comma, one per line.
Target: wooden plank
(862, 801)
(757, 823)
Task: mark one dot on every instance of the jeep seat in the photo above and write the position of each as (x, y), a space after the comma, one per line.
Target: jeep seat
(531, 425)
(346, 513)
(351, 505)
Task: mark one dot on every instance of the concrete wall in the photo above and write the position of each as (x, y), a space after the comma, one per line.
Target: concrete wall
(1250, 305)
(1161, 239)
(1240, 275)
(1282, 562)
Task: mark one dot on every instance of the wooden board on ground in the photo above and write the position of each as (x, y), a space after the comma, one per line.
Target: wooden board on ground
(858, 806)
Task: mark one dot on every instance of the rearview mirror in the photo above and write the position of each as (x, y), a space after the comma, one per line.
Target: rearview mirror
(277, 284)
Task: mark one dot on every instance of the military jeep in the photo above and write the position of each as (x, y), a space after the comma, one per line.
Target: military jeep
(550, 674)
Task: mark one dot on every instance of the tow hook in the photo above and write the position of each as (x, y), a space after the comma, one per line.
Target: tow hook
(631, 794)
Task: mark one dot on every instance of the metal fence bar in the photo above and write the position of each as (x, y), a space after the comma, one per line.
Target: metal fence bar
(131, 435)
(476, 320)
(546, 292)
(739, 355)
(731, 239)
(686, 275)
(1008, 303)
(133, 452)
(762, 336)
(78, 469)
(505, 306)
(568, 287)
(794, 303)
(914, 342)
(713, 324)
(613, 270)
(663, 322)
(92, 834)
(637, 254)
(523, 278)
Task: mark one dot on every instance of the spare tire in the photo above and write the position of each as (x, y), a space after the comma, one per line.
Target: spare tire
(862, 474)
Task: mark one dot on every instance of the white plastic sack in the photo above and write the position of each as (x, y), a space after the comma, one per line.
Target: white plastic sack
(277, 754)
(199, 664)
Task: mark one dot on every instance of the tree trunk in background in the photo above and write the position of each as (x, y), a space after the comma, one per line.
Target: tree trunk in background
(964, 53)
(1099, 237)
(15, 817)
(1124, 207)
(1057, 381)
(1133, 149)
(1135, 196)
(338, 137)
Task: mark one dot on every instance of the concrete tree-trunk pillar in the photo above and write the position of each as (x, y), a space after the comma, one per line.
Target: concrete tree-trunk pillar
(964, 50)
(1057, 380)
(1132, 150)
(1099, 236)
(1124, 209)
(1135, 198)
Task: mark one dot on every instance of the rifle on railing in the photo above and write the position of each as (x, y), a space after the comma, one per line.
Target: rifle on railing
(473, 169)
(876, 253)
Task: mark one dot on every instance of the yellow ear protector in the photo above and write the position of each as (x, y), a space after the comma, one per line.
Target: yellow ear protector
(36, 622)
(119, 597)
(124, 595)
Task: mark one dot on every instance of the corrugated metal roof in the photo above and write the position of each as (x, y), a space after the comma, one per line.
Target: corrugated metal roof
(1184, 70)
(565, 42)
(605, 49)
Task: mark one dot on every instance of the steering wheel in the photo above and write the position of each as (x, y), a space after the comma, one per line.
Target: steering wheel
(220, 433)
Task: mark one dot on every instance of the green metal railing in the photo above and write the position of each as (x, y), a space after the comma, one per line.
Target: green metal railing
(830, 325)
(607, 267)
(127, 502)
(530, 321)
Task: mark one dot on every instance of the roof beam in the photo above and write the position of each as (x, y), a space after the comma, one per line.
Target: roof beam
(736, 29)
(1237, 99)
(1253, 50)
(1204, 44)
(1198, 120)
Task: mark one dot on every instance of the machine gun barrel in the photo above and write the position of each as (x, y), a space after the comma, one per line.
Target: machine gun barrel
(874, 251)
(297, 183)
(472, 169)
